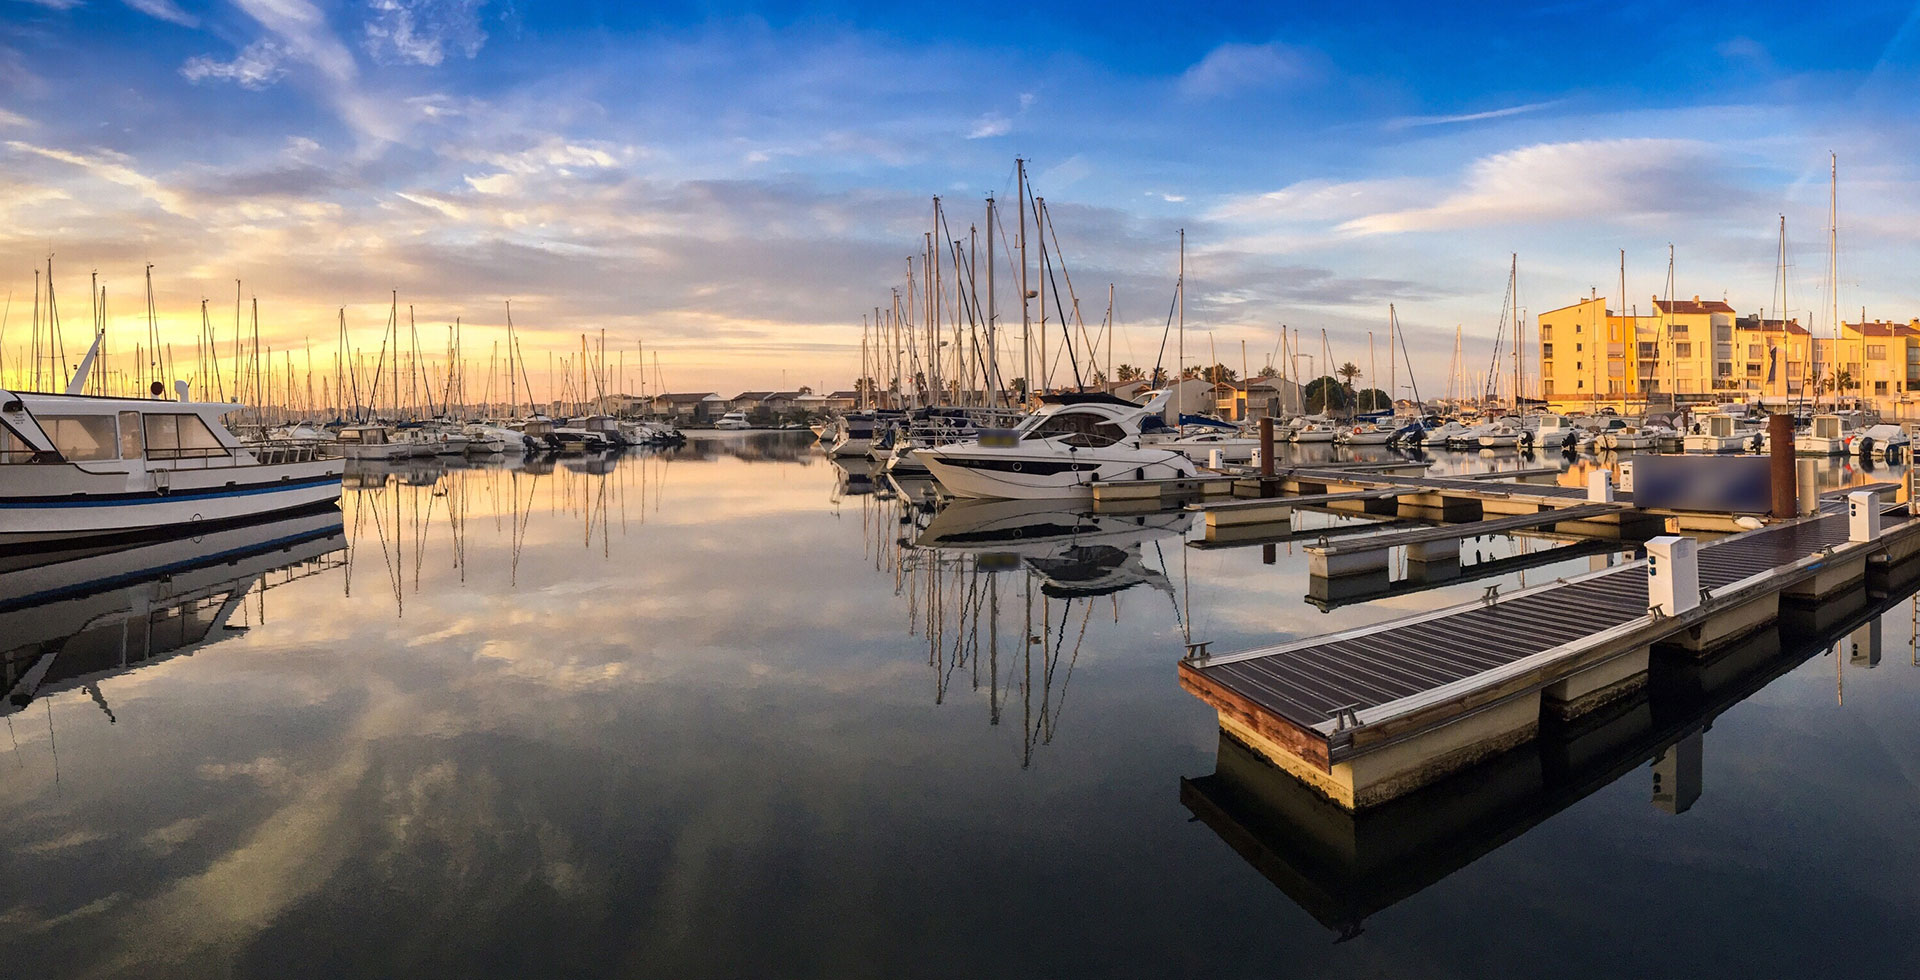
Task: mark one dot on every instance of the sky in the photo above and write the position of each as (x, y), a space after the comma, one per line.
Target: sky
(733, 186)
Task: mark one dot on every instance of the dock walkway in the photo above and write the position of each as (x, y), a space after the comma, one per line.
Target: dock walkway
(1344, 711)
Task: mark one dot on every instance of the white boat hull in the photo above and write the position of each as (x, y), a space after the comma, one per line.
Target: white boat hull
(65, 501)
(967, 471)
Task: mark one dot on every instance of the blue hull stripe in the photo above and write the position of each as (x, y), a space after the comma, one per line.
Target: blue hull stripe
(159, 498)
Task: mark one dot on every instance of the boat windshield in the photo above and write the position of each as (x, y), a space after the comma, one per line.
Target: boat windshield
(1080, 428)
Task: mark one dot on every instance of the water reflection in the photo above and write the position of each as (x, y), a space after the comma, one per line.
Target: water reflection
(1053, 564)
(1342, 867)
(72, 619)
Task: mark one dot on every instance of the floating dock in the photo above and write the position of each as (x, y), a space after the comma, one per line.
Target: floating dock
(1367, 715)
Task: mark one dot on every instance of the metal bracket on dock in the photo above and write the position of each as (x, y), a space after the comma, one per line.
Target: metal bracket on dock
(1197, 650)
(1492, 595)
(1345, 718)
(1656, 613)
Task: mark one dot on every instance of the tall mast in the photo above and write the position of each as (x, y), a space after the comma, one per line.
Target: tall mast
(993, 311)
(1393, 361)
(1026, 314)
(1180, 350)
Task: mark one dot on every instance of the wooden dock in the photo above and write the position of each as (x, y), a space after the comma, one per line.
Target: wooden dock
(1366, 715)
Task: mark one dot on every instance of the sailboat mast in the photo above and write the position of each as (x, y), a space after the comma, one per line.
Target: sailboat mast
(1180, 364)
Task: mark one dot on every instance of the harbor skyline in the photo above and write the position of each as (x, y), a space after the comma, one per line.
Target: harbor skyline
(735, 188)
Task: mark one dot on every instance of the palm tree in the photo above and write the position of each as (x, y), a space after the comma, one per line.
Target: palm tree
(1127, 372)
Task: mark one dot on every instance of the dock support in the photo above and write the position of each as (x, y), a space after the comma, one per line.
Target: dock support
(1598, 685)
(1780, 449)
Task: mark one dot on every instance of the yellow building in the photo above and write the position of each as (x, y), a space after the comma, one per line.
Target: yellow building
(1682, 353)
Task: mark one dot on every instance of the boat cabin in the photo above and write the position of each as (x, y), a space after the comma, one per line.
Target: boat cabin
(46, 428)
(364, 435)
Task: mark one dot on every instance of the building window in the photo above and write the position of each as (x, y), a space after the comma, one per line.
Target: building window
(1546, 352)
(1756, 352)
(1753, 370)
(1876, 352)
(1576, 328)
(1577, 348)
(1649, 351)
(1683, 349)
(1546, 331)
(1578, 366)
(1679, 328)
(1614, 387)
(1546, 388)
(1723, 370)
(1579, 384)
(1879, 387)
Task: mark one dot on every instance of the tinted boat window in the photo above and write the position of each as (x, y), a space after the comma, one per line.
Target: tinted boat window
(176, 436)
(82, 438)
(13, 449)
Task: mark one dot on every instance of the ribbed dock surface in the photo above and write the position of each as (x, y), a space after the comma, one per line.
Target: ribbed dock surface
(1309, 683)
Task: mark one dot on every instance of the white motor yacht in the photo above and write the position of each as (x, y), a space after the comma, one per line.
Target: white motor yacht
(732, 420)
(1072, 442)
(74, 465)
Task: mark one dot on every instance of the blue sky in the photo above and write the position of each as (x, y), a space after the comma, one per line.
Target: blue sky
(735, 185)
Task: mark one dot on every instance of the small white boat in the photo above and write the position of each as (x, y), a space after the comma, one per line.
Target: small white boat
(1444, 433)
(1365, 434)
(369, 441)
(1719, 433)
(1312, 432)
(1886, 442)
(1826, 436)
(732, 420)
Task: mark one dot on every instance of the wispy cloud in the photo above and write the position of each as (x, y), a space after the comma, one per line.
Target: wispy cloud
(1410, 122)
(1232, 68)
(56, 4)
(165, 10)
(14, 119)
(113, 168)
(991, 124)
(424, 32)
(257, 66)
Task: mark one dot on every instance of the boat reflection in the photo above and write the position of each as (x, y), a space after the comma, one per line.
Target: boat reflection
(74, 618)
(1342, 867)
(1004, 593)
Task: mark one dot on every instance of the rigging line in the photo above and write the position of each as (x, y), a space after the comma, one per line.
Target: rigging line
(1065, 331)
(1160, 358)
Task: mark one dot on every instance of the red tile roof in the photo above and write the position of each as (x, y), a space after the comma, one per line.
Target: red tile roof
(1693, 305)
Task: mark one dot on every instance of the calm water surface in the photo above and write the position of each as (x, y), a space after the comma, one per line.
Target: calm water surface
(709, 713)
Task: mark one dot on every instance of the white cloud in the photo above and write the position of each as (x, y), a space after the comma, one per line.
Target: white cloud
(114, 168)
(424, 32)
(1409, 122)
(1592, 179)
(991, 124)
(56, 4)
(165, 10)
(257, 66)
(1232, 68)
(14, 119)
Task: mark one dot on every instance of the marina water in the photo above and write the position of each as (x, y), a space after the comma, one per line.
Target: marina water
(714, 712)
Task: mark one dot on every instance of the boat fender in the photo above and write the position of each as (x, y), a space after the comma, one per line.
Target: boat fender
(1866, 447)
